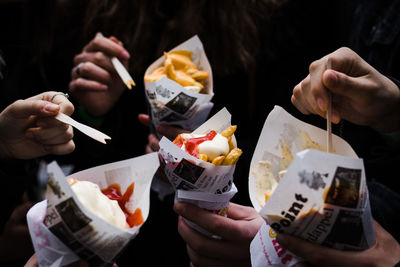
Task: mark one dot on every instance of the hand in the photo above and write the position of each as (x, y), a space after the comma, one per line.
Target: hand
(94, 81)
(162, 130)
(28, 128)
(15, 241)
(237, 231)
(385, 252)
(360, 94)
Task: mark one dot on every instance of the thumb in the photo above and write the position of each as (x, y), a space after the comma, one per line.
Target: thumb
(26, 108)
(342, 84)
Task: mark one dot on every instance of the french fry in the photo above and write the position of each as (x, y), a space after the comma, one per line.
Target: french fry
(218, 160)
(203, 157)
(179, 67)
(232, 157)
(229, 131)
(230, 143)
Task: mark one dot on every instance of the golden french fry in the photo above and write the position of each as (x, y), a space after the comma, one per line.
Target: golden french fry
(179, 67)
(157, 74)
(232, 157)
(71, 181)
(203, 157)
(218, 160)
(200, 75)
(230, 143)
(181, 61)
(229, 131)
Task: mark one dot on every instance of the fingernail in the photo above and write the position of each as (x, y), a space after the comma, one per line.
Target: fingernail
(50, 107)
(125, 54)
(321, 104)
(103, 87)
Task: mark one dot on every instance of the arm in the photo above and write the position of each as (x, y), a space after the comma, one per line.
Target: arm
(360, 93)
(236, 231)
(28, 128)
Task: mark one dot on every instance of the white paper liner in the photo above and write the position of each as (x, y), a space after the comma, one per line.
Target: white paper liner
(201, 183)
(262, 255)
(50, 251)
(310, 176)
(81, 231)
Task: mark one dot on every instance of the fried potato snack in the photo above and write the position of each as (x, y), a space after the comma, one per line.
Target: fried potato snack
(217, 149)
(179, 67)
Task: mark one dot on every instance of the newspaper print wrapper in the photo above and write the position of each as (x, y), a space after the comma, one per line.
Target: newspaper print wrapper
(63, 230)
(322, 198)
(172, 104)
(198, 182)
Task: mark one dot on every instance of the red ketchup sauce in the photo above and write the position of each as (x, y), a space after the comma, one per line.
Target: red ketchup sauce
(113, 192)
(192, 144)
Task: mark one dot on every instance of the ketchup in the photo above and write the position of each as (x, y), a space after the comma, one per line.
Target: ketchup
(113, 192)
(192, 144)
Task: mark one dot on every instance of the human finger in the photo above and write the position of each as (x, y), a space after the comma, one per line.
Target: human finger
(60, 149)
(298, 101)
(224, 227)
(144, 119)
(97, 58)
(315, 254)
(82, 84)
(25, 108)
(238, 212)
(51, 136)
(32, 262)
(148, 149)
(344, 85)
(305, 94)
(153, 142)
(59, 98)
(91, 71)
(199, 260)
(210, 247)
(347, 61)
(319, 99)
(101, 43)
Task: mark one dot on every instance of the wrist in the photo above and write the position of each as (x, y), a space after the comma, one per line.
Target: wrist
(389, 121)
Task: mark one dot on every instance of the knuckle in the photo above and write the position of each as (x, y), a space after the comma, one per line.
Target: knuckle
(70, 133)
(98, 57)
(70, 148)
(77, 58)
(313, 66)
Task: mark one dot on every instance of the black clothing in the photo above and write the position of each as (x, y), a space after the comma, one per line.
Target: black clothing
(375, 37)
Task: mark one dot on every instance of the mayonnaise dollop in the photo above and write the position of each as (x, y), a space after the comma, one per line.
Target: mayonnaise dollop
(218, 146)
(90, 195)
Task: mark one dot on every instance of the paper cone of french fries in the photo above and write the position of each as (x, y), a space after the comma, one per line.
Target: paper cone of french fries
(301, 190)
(199, 182)
(64, 230)
(170, 102)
